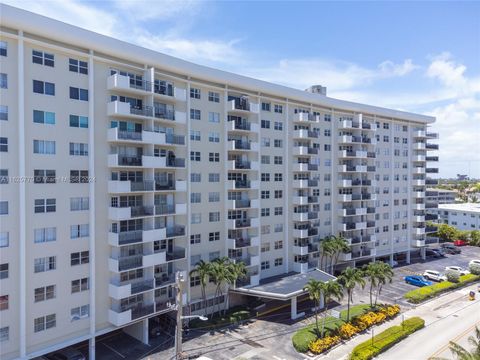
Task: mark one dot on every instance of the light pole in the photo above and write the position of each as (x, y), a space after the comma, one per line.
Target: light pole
(180, 281)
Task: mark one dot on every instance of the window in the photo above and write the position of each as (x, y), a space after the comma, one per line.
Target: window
(80, 312)
(3, 81)
(213, 96)
(265, 247)
(195, 93)
(195, 239)
(214, 216)
(265, 212)
(327, 147)
(213, 117)
(277, 125)
(78, 121)
(278, 194)
(44, 264)
(278, 210)
(4, 112)
(78, 176)
(265, 265)
(3, 48)
(265, 142)
(326, 132)
(195, 135)
(44, 147)
(80, 285)
(43, 87)
(265, 159)
(213, 196)
(278, 262)
(195, 155)
(265, 229)
(42, 58)
(278, 108)
(265, 106)
(196, 218)
(3, 271)
(78, 94)
(44, 293)
(196, 177)
(213, 177)
(214, 157)
(214, 137)
(3, 144)
(278, 177)
(43, 117)
(278, 245)
(79, 231)
(265, 177)
(194, 280)
(79, 258)
(4, 239)
(265, 194)
(195, 198)
(214, 236)
(4, 331)
(327, 118)
(278, 160)
(45, 205)
(277, 143)
(44, 235)
(3, 207)
(278, 228)
(78, 149)
(265, 124)
(195, 114)
(78, 66)
(45, 323)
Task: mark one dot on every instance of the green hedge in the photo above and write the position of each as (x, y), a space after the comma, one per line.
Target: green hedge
(386, 339)
(303, 337)
(421, 294)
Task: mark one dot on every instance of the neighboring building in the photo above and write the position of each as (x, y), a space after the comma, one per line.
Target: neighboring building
(441, 196)
(462, 177)
(121, 166)
(463, 216)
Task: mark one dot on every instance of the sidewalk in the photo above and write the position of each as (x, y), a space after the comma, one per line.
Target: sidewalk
(430, 311)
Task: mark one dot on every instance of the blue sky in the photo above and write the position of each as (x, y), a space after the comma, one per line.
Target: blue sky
(415, 56)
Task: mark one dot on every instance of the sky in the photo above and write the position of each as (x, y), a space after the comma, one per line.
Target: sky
(415, 56)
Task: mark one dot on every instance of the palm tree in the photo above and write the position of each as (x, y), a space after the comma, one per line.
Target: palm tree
(202, 270)
(326, 247)
(218, 273)
(371, 272)
(340, 245)
(384, 275)
(314, 289)
(349, 279)
(330, 290)
(235, 272)
(460, 353)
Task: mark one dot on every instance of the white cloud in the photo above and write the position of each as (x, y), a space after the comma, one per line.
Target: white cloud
(389, 68)
(445, 69)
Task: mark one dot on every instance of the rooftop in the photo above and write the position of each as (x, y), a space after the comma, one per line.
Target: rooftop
(466, 207)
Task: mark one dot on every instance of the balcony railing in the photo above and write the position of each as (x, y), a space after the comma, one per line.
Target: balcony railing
(141, 286)
(137, 211)
(242, 145)
(176, 254)
(164, 209)
(129, 135)
(177, 230)
(140, 311)
(142, 185)
(130, 237)
(240, 164)
(431, 146)
(241, 184)
(164, 185)
(130, 262)
(239, 223)
(129, 160)
(164, 279)
(161, 113)
(312, 183)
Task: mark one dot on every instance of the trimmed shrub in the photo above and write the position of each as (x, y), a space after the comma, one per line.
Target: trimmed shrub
(321, 345)
(474, 269)
(421, 294)
(452, 276)
(386, 339)
(346, 331)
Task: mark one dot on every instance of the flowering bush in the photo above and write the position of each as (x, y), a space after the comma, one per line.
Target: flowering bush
(321, 345)
(390, 311)
(346, 331)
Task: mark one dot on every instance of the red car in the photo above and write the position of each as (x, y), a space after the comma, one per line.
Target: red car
(460, 243)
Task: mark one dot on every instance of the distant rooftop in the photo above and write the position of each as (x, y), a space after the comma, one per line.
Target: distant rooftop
(466, 207)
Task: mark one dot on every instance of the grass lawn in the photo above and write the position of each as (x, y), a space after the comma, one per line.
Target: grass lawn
(304, 336)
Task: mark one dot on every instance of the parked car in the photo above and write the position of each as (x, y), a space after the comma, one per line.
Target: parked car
(475, 261)
(450, 248)
(434, 275)
(436, 253)
(460, 243)
(458, 269)
(68, 353)
(417, 280)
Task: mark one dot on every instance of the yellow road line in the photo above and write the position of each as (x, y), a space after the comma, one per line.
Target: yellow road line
(444, 347)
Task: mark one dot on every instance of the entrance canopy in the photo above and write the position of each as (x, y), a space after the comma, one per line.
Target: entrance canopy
(284, 287)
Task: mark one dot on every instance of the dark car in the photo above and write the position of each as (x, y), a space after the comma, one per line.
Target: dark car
(449, 248)
(417, 280)
(436, 253)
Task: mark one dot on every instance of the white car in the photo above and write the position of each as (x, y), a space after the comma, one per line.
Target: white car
(474, 262)
(458, 269)
(434, 275)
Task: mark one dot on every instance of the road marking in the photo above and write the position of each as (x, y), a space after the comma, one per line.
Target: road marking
(115, 351)
(444, 347)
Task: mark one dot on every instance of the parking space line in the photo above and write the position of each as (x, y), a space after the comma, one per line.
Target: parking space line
(115, 351)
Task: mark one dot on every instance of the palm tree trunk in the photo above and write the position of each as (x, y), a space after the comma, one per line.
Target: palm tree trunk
(316, 317)
(324, 317)
(371, 295)
(379, 289)
(348, 305)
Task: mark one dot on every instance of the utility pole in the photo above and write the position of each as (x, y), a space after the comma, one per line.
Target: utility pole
(179, 305)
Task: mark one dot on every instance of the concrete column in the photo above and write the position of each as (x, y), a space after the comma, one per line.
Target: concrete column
(423, 253)
(408, 257)
(293, 308)
(322, 304)
(139, 331)
(391, 260)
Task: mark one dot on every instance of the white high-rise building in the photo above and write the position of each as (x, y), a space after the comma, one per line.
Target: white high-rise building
(121, 166)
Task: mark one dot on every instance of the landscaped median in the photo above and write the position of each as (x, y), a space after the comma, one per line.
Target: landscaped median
(421, 294)
(386, 339)
(336, 330)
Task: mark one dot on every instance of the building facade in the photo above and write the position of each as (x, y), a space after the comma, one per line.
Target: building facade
(441, 196)
(122, 166)
(462, 216)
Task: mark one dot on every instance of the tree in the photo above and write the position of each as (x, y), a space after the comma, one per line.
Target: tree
(235, 272)
(446, 232)
(219, 273)
(314, 289)
(326, 247)
(384, 275)
(372, 272)
(461, 353)
(330, 290)
(475, 237)
(463, 235)
(349, 279)
(339, 245)
(474, 199)
(202, 270)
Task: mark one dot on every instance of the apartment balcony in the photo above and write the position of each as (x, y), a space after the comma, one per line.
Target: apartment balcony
(353, 211)
(431, 146)
(419, 230)
(242, 223)
(305, 134)
(239, 145)
(369, 126)
(162, 162)
(242, 106)
(362, 239)
(164, 279)
(430, 229)
(242, 126)
(127, 213)
(431, 240)
(431, 182)
(352, 154)
(363, 253)
(419, 146)
(243, 204)
(118, 290)
(418, 182)
(432, 158)
(430, 170)
(124, 263)
(249, 280)
(300, 267)
(243, 165)
(136, 236)
(345, 257)
(419, 134)
(175, 231)
(144, 137)
(418, 218)
(240, 243)
(171, 209)
(419, 206)
(116, 186)
(300, 250)
(418, 243)
(303, 184)
(431, 217)
(300, 233)
(431, 205)
(418, 170)
(432, 135)
(118, 160)
(419, 158)
(418, 194)
(119, 316)
(304, 117)
(243, 185)
(352, 168)
(125, 110)
(178, 253)
(303, 150)
(304, 216)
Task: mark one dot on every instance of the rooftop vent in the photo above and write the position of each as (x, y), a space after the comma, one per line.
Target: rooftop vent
(317, 89)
